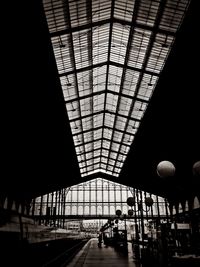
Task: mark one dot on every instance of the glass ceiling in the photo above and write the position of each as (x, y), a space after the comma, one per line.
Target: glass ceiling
(109, 55)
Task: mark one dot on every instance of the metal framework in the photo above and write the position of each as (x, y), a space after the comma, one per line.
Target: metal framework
(95, 199)
(110, 55)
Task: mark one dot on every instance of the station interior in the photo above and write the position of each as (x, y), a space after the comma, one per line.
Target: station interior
(100, 141)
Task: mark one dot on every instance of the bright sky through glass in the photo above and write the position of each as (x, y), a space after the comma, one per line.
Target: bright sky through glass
(109, 56)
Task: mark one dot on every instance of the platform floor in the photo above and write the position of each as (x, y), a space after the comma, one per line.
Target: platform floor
(93, 256)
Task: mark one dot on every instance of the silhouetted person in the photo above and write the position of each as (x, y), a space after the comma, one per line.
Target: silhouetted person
(105, 239)
(100, 240)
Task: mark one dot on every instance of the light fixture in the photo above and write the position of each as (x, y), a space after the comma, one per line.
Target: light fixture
(196, 168)
(148, 201)
(165, 169)
(132, 203)
(130, 212)
(118, 213)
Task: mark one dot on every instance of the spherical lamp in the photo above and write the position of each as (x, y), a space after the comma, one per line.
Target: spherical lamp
(165, 169)
(196, 168)
(118, 213)
(148, 201)
(130, 212)
(130, 201)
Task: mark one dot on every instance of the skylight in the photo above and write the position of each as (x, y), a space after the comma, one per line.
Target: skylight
(109, 56)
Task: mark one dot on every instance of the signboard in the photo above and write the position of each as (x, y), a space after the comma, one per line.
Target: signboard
(180, 226)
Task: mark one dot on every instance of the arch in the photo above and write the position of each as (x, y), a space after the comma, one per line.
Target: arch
(93, 210)
(74, 210)
(99, 210)
(86, 210)
(112, 210)
(105, 210)
(80, 210)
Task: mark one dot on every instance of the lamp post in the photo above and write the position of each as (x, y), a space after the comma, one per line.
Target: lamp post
(119, 213)
(132, 203)
(137, 207)
(121, 240)
(166, 170)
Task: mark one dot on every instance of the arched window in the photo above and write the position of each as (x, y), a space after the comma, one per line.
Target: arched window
(99, 210)
(93, 210)
(125, 209)
(86, 210)
(105, 210)
(112, 210)
(67, 210)
(74, 210)
(80, 210)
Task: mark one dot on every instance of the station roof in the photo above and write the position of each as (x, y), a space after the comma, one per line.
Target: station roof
(101, 89)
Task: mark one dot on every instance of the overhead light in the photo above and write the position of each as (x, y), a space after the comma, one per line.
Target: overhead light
(165, 169)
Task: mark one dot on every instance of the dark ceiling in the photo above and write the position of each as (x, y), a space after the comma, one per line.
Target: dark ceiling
(37, 148)
(170, 129)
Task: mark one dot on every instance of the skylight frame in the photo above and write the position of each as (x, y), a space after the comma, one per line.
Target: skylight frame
(110, 55)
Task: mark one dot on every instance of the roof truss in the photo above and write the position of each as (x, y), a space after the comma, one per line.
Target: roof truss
(110, 55)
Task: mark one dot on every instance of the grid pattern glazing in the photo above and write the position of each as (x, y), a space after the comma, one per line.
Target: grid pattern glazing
(109, 55)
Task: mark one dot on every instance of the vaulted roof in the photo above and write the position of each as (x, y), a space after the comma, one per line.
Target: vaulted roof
(109, 56)
(99, 89)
